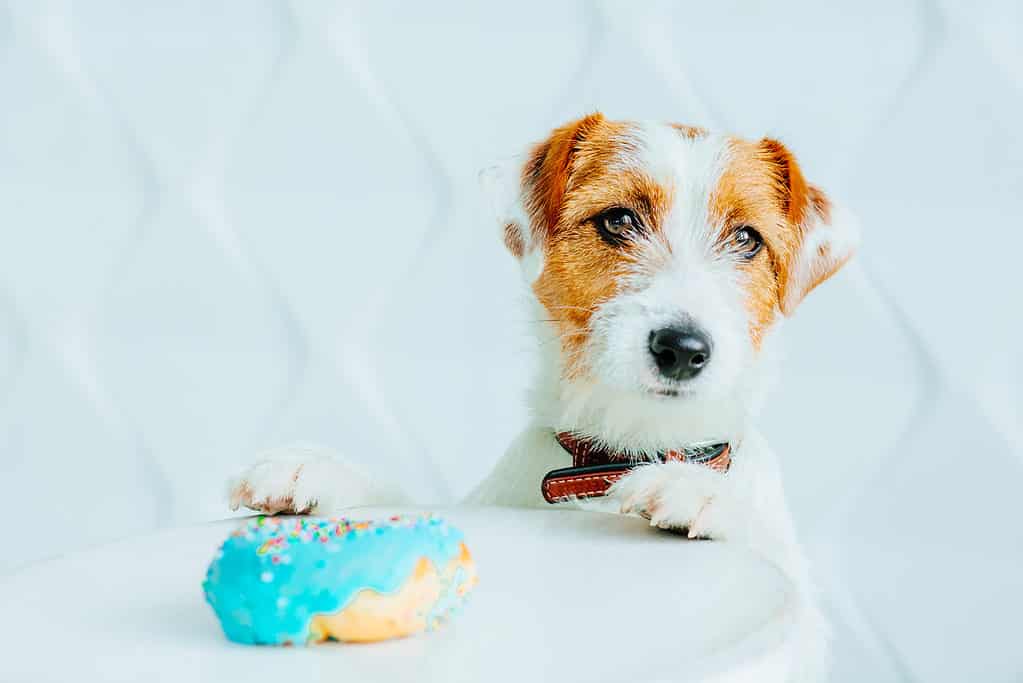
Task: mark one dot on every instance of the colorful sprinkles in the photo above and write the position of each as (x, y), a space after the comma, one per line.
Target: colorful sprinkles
(278, 580)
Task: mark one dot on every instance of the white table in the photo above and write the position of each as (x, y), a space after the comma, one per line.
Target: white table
(563, 595)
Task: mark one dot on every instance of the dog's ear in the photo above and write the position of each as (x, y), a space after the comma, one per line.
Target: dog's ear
(502, 186)
(526, 192)
(824, 236)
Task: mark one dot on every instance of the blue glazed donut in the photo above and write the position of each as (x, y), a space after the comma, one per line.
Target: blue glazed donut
(296, 580)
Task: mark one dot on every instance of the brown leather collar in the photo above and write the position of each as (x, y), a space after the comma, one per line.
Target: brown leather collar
(595, 468)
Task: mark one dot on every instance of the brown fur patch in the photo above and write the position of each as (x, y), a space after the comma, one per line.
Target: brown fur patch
(513, 239)
(756, 189)
(546, 174)
(764, 187)
(570, 179)
(807, 208)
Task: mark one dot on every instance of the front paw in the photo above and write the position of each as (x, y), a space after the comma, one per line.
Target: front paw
(275, 486)
(683, 497)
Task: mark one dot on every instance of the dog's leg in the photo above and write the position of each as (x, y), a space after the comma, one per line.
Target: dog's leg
(687, 497)
(746, 505)
(306, 480)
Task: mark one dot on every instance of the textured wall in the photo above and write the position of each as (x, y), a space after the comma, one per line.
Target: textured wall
(232, 225)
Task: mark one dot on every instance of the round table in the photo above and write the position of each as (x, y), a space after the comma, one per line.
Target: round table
(563, 595)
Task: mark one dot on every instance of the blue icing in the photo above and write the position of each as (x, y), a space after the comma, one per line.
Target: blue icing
(271, 576)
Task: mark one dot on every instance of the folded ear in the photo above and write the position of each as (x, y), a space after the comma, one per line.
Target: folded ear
(829, 239)
(526, 191)
(825, 236)
(502, 186)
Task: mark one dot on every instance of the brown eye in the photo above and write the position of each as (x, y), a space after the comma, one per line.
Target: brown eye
(746, 242)
(617, 225)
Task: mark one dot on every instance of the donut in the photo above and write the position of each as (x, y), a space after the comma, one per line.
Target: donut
(299, 580)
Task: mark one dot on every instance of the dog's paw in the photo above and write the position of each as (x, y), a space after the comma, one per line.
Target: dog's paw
(296, 480)
(302, 480)
(272, 487)
(683, 497)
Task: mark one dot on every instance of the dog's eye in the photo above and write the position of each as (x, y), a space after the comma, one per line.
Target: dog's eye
(617, 225)
(746, 242)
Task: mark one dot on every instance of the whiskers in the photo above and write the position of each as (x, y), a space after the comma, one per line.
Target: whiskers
(562, 335)
(571, 344)
(566, 336)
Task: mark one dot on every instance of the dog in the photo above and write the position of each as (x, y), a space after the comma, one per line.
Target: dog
(661, 258)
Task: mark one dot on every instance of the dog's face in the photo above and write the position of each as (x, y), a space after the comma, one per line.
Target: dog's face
(663, 254)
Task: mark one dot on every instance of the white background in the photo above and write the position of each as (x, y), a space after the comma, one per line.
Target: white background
(226, 226)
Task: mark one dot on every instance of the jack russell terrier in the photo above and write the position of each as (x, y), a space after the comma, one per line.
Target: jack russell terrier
(660, 258)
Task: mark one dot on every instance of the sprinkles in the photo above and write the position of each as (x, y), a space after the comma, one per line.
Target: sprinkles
(278, 580)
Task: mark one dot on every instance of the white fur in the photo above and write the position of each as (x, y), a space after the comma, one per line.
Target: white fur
(691, 281)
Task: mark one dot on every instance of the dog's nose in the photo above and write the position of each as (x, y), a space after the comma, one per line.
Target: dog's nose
(680, 352)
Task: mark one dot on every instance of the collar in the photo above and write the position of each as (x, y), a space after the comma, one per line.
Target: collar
(595, 467)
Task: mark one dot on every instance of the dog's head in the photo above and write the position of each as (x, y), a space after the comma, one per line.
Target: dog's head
(662, 254)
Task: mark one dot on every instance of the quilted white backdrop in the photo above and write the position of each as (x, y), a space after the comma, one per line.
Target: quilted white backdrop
(227, 226)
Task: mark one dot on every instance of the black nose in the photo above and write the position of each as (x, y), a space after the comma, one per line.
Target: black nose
(680, 352)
